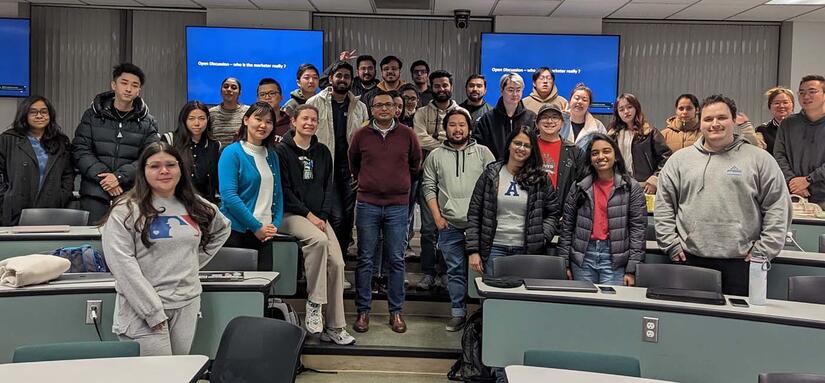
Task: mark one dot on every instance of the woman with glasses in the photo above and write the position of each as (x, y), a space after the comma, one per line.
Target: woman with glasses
(226, 116)
(514, 208)
(35, 162)
(193, 140)
(156, 238)
(781, 103)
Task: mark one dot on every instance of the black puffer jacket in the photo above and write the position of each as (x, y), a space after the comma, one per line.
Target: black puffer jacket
(493, 128)
(650, 152)
(627, 222)
(107, 143)
(542, 215)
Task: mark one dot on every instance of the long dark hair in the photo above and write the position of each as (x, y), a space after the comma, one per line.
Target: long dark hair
(141, 195)
(618, 166)
(182, 136)
(531, 173)
(53, 139)
(259, 108)
(616, 124)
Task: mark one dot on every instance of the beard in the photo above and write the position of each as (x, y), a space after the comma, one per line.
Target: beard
(443, 96)
(474, 97)
(340, 88)
(461, 141)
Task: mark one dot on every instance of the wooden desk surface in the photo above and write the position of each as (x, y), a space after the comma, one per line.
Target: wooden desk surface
(171, 369)
(75, 232)
(527, 374)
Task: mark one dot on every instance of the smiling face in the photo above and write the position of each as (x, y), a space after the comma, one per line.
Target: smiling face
(126, 87)
(258, 128)
(305, 123)
(550, 123)
(366, 70)
(162, 172)
(812, 96)
(717, 125)
(442, 89)
(579, 102)
(520, 148)
(602, 156)
(476, 90)
(391, 71)
(230, 91)
(38, 116)
(685, 110)
(458, 131)
(383, 108)
(781, 106)
(627, 112)
(341, 81)
(196, 123)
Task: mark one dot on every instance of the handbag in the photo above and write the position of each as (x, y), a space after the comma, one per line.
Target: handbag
(804, 209)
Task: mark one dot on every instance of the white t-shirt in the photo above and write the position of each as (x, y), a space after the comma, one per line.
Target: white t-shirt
(263, 205)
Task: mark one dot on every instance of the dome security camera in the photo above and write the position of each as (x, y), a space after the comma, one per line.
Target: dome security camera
(462, 18)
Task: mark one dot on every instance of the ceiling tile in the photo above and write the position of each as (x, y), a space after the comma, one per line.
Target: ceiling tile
(708, 11)
(813, 16)
(525, 7)
(351, 6)
(284, 5)
(774, 12)
(647, 11)
(170, 3)
(587, 8)
(476, 7)
(227, 4)
(128, 3)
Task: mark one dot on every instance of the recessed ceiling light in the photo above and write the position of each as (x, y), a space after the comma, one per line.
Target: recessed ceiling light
(796, 2)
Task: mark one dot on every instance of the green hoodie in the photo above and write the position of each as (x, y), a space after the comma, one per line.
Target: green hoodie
(450, 176)
(723, 204)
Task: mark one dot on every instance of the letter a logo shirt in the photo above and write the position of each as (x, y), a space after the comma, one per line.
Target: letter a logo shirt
(512, 211)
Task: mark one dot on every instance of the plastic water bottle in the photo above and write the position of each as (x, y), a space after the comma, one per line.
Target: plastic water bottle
(758, 281)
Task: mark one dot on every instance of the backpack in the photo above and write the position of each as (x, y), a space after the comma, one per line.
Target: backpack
(278, 309)
(83, 258)
(468, 367)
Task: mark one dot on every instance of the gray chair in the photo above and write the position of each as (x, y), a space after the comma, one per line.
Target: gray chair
(38, 216)
(822, 243)
(807, 289)
(678, 277)
(233, 259)
(791, 378)
(530, 266)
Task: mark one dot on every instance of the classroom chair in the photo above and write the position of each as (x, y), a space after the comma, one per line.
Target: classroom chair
(38, 216)
(674, 276)
(530, 266)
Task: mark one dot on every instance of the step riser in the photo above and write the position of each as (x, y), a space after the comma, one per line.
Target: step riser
(378, 364)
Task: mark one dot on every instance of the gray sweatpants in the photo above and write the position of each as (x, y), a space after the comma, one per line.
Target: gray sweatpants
(174, 339)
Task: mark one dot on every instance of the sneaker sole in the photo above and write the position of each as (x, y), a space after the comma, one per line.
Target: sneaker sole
(325, 338)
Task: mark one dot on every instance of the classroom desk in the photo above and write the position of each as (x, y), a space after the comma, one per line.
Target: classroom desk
(170, 369)
(528, 374)
(284, 250)
(697, 343)
(56, 313)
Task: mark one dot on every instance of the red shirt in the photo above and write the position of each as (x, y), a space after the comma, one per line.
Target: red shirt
(550, 154)
(601, 193)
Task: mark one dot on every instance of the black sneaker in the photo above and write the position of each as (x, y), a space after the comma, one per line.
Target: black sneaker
(455, 324)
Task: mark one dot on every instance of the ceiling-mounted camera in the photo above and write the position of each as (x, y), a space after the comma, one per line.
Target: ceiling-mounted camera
(462, 18)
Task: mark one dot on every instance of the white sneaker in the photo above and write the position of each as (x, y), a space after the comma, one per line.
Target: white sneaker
(314, 321)
(337, 336)
(347, 285)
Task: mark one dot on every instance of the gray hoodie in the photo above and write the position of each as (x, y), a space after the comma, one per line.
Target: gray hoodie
(450, 176)
(722, 204)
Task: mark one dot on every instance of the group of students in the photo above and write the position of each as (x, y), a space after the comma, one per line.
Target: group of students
(490, 182)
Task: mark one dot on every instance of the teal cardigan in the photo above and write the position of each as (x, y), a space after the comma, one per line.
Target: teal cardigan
(239, 182)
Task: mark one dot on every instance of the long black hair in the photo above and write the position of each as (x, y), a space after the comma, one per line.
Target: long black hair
(182, 136)
(53, 139)
(618, 166)
(531, 172)
(259, 108)
(141, 195)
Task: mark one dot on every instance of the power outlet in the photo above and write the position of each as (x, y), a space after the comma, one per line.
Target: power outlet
(650, 329)
(94, 305)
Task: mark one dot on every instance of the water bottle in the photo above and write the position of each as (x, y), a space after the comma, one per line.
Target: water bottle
(758, 281)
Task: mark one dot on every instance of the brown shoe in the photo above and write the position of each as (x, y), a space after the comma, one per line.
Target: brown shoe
(397, 323)
(362, 322)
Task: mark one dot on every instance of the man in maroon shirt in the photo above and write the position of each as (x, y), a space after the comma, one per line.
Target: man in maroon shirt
(382, 155)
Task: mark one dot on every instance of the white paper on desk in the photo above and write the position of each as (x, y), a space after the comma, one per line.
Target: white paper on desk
(31, 269)
(41, 229)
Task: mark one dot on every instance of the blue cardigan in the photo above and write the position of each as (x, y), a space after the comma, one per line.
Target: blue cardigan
(239, 183)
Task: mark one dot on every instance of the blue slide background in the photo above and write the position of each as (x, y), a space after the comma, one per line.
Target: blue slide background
(14, 66)
(596, 56)
(242, 45)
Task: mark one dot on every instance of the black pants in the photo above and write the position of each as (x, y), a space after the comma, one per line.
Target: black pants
(342, 215)
(735, 272)
(248, 240)
(97, 208)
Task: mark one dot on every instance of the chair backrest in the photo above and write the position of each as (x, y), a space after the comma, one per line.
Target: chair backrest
(530, 266)
(822, 243)
(650, 233)
(75, 350)
(233, 259)
(791, 378)
(38, 216)
(806, 288)
(255, 349)
(584, 361)
(678, 277)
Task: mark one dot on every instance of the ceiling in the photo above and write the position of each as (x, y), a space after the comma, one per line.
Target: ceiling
(711, 10)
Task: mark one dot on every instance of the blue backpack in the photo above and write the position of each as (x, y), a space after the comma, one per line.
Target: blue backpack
(84, 259)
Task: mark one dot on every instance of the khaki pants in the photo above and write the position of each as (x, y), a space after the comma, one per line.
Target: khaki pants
(323, 266)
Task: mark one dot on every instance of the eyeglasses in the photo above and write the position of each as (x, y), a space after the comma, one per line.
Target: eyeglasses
(420, 71)
(522, 145)
(513, 90)
(386, 105)
(552, 118)
(269, 94)
(808, 92)
(35, 112)
(156, 166)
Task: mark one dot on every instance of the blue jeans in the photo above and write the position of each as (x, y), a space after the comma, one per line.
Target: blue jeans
(597, 266)
(500, 251)
(451, 243)
(392, 221)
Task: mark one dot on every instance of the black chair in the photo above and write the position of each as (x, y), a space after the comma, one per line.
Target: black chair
(791, 378)
(822, 243)
(37, 217)
(530, 266)
(258, 350)
(233, 259)
(807, 289)
(678, 277)
(650, 232)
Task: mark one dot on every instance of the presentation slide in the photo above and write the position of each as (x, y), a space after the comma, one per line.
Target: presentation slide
(14, 66)
(213, 54)
(589, 59)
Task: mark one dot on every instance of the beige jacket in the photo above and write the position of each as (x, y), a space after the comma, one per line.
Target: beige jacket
(356, 116)
(534, 102)
(428, 124)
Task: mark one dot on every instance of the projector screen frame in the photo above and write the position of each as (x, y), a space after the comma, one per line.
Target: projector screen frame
(29, 89)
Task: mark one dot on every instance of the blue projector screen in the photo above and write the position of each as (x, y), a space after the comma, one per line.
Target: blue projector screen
(213, 54)
(14, 66)
(589, 59)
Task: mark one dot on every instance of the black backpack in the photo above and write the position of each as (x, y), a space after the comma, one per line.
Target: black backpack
(468, 367)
